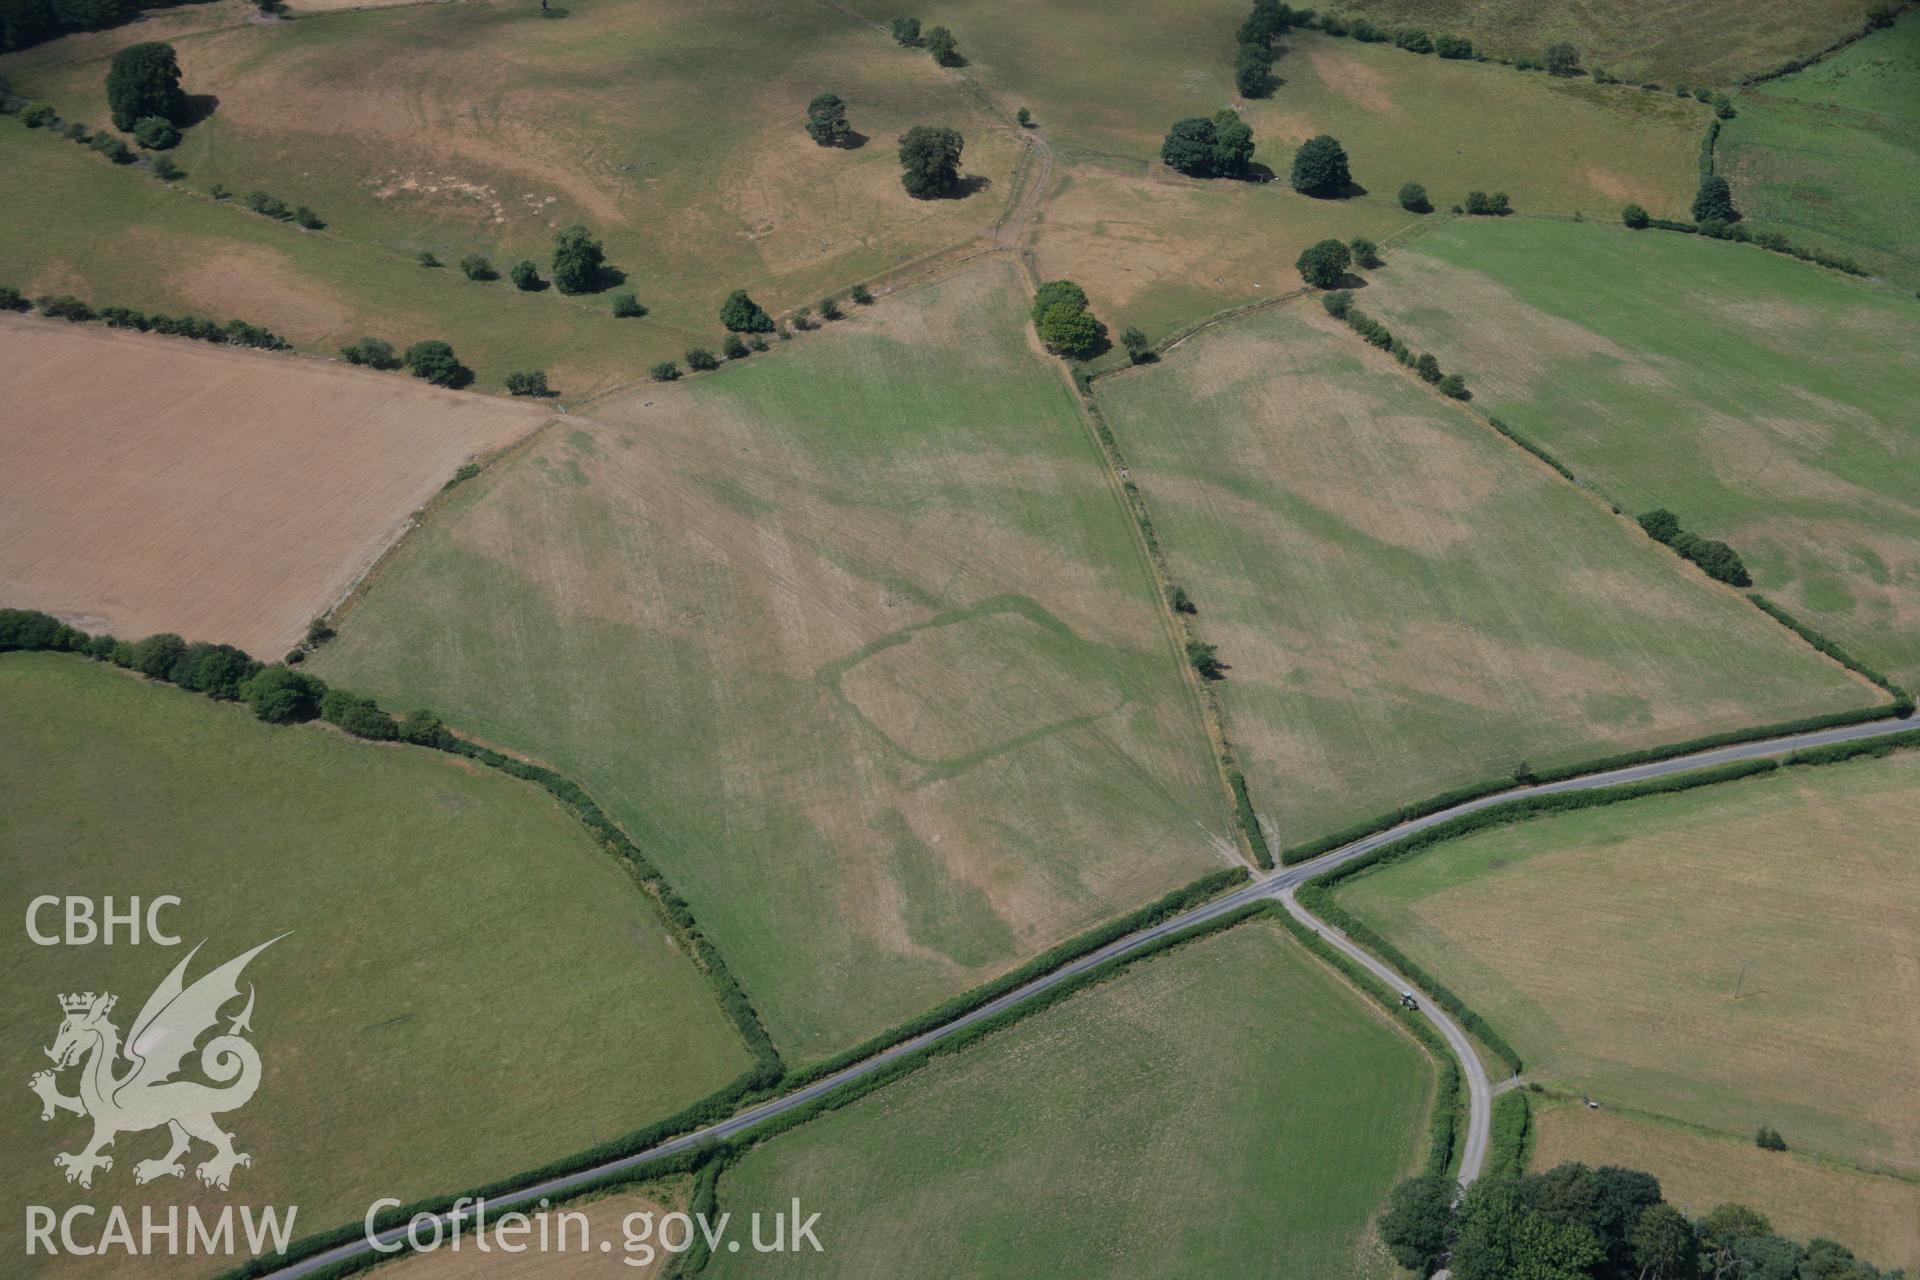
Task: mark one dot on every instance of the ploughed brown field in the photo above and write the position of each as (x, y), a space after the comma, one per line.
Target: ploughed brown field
(160, 484)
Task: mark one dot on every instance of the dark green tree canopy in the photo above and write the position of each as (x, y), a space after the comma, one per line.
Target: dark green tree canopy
(1054, 292)
(1320, 167)
(1232, 147)
(944, 48)
(1189, 146)
(906, 31)
(144, 80)
(1417, 1223)
(827, 120)
(1561, 59)
(930, 160)
(1413, 198)
(741, 314)
(579, 261)
(436, 362)
(1070, 330)
(1714, 201)
(1324, 265)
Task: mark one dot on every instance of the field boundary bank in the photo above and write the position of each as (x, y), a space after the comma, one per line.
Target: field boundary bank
(1251, 839)
(1800, 62)
(343, 1251)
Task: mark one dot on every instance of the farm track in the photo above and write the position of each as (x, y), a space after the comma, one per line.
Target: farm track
(1279, 885)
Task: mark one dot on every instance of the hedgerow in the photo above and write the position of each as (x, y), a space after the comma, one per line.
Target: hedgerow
(65, 306)
(1507, 1144)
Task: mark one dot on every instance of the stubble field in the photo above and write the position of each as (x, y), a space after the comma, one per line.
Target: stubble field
(853, 637)
(1609, 946)
(159, 484)
(1406, 602)
(1229, 1108)
(536, 1008)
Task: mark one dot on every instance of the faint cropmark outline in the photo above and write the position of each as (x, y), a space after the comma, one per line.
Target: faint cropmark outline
(145, 1095)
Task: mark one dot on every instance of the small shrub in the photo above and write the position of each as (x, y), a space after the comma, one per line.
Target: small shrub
(426, 258)
(1138, 348)
(268, 205)
(665, 371)
(829, 309)
(526, 278)
(113, 149)
(1204, 658)
(435, 362)
(944, 48)
(626, 306)
(64, 306)
(1768, 1139)
(530, 383)
(219, 191)
(1453, 46)
(802, 320)
(11, 299)
(308, 218)
(38, 116)
(741, 314)
(156, 134)
(1324, 265)
(1634, 216)
(375, 353)
(1338, 303)
(1025, 117)
(77, 132)
(861, 295)
(1181, 601)
(1365, 252)
(165, 169)
(757, 342)
(699, 359)
(1413, 198)
(1453, 385)
(1413, 40)
(906, 31)
(476, 267)
(734, 349)
(1561, 59)
(1428, 367)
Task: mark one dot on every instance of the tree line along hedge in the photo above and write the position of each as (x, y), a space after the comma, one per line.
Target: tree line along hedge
(1339, 304)
(65, 306)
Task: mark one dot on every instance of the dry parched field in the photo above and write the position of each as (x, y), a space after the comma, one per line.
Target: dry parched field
(158, 484)
(1876, 1216)
(1407, 602)
(1608, 945)
(853, 636)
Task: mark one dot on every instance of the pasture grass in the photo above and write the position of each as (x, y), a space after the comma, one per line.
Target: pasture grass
(1608, 946)
(1831, 155)
(1407, 603)
(1766, 401)
(1875, 1215)
(470, 985)
(675, 135)
(854, 638)
(1691, 42)
(1159, 1123)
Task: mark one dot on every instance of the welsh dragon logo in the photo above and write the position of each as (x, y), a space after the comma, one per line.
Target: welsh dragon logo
(129, 1087)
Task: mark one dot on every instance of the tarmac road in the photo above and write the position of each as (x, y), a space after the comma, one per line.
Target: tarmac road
(1279, 884)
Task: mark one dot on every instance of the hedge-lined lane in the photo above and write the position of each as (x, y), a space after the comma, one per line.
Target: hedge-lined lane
(1278, 885)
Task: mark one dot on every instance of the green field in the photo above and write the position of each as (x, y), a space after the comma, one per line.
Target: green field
(1831, 155)
(676, 136)
(1409, 604)
(1690, 42)
(1226, 1109)
(464, 966)
(854, 638)
(1608, 945)
(1768, 402)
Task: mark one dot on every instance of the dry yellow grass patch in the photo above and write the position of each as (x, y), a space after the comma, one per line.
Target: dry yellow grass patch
(1877, 1217)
